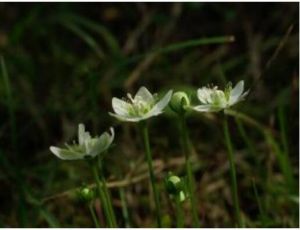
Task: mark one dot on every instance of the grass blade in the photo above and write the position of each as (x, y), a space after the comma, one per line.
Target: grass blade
(284, 164)
(124, 208)
(109, 38)
(10, 105)
(88, 39)
(193, 43)
(182, 45)
(259, 203)
(49, 218)
(247, 141)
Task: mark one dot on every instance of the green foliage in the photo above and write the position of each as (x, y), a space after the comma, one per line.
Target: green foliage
(61, 63)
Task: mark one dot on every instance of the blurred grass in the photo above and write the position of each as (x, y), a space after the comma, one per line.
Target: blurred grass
(64, 62)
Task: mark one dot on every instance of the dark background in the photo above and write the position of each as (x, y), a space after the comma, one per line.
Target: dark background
(65, 61)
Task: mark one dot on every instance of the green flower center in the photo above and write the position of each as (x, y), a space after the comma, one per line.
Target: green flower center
(139, 107)
(218, 98)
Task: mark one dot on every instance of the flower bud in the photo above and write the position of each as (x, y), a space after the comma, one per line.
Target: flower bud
(179, 101)
(85, 194)
(175, 187)
(182, 196)
(173, 184)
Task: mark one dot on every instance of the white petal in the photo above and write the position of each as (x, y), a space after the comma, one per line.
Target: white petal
(157, 109)
(204, 95)
(245, 94)
(65, 154)
(144, 94)
(120, 107)
(236, 92)
(242, 97)
(103, 143)
(126, 118)
(82, 135)
(206, 108)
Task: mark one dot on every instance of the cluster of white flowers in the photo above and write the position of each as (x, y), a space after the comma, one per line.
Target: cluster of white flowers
(143, 106)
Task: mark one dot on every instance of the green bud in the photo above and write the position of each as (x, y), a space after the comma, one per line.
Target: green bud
(179, 101)
(85, 194)
(182, 196)
(173, 184)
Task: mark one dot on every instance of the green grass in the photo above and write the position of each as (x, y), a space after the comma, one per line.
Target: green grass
(62, 63)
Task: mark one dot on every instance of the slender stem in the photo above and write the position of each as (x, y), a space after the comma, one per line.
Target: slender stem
(260, 207)
(108, 200)
(179, 212)
(95, 219)
(124, 208)
(234, 191)
(189, 171)
(101, 194)
(144, 130)
(285, 152)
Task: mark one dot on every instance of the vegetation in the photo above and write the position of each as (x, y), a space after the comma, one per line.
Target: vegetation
(61, 65)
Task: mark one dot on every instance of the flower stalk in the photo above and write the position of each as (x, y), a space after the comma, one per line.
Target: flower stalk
(234, 191)
(107, 197)
(102, 196)
(93, 214)
(179, 212)
(190, 177)
(145, 134)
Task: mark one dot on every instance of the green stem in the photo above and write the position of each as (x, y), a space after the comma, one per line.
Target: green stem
(234, 191)
(144, 130)
(285, 152)
(260, 207)
(95, 219)
(101, 194)
(189, 171)
(108, 200)
(179, 212)
(124, 208)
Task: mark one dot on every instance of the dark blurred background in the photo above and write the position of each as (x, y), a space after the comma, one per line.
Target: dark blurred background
(63, 62)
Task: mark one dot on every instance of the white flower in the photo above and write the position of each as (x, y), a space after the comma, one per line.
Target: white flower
(87, 146)
(144, 105)
(214, 100)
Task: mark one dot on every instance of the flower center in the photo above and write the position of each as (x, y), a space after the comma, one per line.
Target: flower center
(213, 96)
(139, 106)
(218, 98)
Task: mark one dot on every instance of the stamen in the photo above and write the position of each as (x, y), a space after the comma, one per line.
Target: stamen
(130, 97)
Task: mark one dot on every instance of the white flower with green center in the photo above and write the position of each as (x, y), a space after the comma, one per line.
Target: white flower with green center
(214, 100)
(87, 146)
(140, 107)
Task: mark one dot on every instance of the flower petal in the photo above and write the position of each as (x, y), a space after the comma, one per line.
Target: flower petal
(144, 94)
(82, 135)
(241, 98)
(236, 92)
(120, 107)
(157, 109)
(126, 118)
(65, 154)
(204, 95)
(206, 108)
(102, 143)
